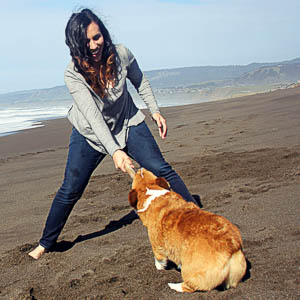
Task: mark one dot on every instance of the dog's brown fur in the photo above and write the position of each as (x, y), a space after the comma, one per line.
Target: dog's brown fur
(206, 246)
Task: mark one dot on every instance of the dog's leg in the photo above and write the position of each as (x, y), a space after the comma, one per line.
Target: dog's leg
(160, 264)
(237, 269)
(181, 287)
(176, 286)
(160, 259)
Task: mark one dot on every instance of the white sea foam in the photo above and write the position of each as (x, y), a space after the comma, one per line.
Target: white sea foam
(19, 118)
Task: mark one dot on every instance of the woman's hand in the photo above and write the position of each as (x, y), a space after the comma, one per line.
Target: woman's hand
(161, 123)
(120, 159)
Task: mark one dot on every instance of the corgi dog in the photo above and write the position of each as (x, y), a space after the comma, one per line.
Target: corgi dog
(205, 246)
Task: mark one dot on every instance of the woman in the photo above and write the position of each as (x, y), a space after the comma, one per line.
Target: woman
(105, 120)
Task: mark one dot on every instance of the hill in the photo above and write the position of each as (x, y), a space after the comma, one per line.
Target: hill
(188, 85)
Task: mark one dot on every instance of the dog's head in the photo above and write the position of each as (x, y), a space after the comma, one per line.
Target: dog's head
(143, 181)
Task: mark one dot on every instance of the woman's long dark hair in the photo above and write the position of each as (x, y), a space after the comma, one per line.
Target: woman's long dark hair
(76, 39)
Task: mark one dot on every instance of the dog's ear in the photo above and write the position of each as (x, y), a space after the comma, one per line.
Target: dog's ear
(162, 182)
(132, 198)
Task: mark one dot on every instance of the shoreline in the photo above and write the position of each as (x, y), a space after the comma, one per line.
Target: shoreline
(38, 123)
(41, 121)
(62, 136)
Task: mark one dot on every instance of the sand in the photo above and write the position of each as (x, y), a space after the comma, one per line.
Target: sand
(239, 157)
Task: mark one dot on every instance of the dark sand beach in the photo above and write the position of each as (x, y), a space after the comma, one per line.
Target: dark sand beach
(240, 157)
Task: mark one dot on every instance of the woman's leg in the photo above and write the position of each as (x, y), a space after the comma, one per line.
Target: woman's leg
(82, 161)
(142, 147)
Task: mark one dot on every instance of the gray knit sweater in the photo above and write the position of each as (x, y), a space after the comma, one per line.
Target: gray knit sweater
(104, 122)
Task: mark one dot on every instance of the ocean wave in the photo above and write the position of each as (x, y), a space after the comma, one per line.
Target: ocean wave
(13, 120)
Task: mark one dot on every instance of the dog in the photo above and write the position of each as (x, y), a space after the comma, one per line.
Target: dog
(206, 247)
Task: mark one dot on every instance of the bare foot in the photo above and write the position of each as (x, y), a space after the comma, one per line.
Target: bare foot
(37, 252)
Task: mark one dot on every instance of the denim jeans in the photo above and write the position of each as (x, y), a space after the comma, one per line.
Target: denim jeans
(83, 160)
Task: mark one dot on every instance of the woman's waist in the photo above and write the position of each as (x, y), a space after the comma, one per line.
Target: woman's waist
(115, 123)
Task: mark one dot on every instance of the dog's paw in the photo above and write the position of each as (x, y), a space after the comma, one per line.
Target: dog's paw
(160, 264)
(176, 286)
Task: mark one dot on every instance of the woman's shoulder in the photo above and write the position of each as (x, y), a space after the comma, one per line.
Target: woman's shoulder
(121, 48)
(72, 73)
(70, 67)
(124, 53)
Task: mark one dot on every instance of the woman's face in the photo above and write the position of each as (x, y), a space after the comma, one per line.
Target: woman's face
(95, 42)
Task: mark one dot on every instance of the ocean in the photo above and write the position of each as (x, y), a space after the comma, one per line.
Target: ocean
(14, 119)
(21, 115)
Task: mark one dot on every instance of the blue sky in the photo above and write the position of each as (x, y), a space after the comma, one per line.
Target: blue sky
(161, 33)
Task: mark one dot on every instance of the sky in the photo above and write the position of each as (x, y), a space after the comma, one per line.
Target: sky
(162, 34)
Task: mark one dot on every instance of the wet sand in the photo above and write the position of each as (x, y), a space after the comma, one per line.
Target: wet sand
(239, 157)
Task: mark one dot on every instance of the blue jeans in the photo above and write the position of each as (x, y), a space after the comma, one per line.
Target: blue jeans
(83, 160)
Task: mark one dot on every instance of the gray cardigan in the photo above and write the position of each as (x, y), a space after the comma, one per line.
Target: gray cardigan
(104, 122)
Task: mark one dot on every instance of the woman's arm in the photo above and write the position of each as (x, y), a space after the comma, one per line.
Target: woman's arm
(142, 85)
(161, 124)
(85, 103)
(87, 106)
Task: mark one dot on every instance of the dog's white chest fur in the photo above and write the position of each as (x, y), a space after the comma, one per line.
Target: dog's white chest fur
(152, 195)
